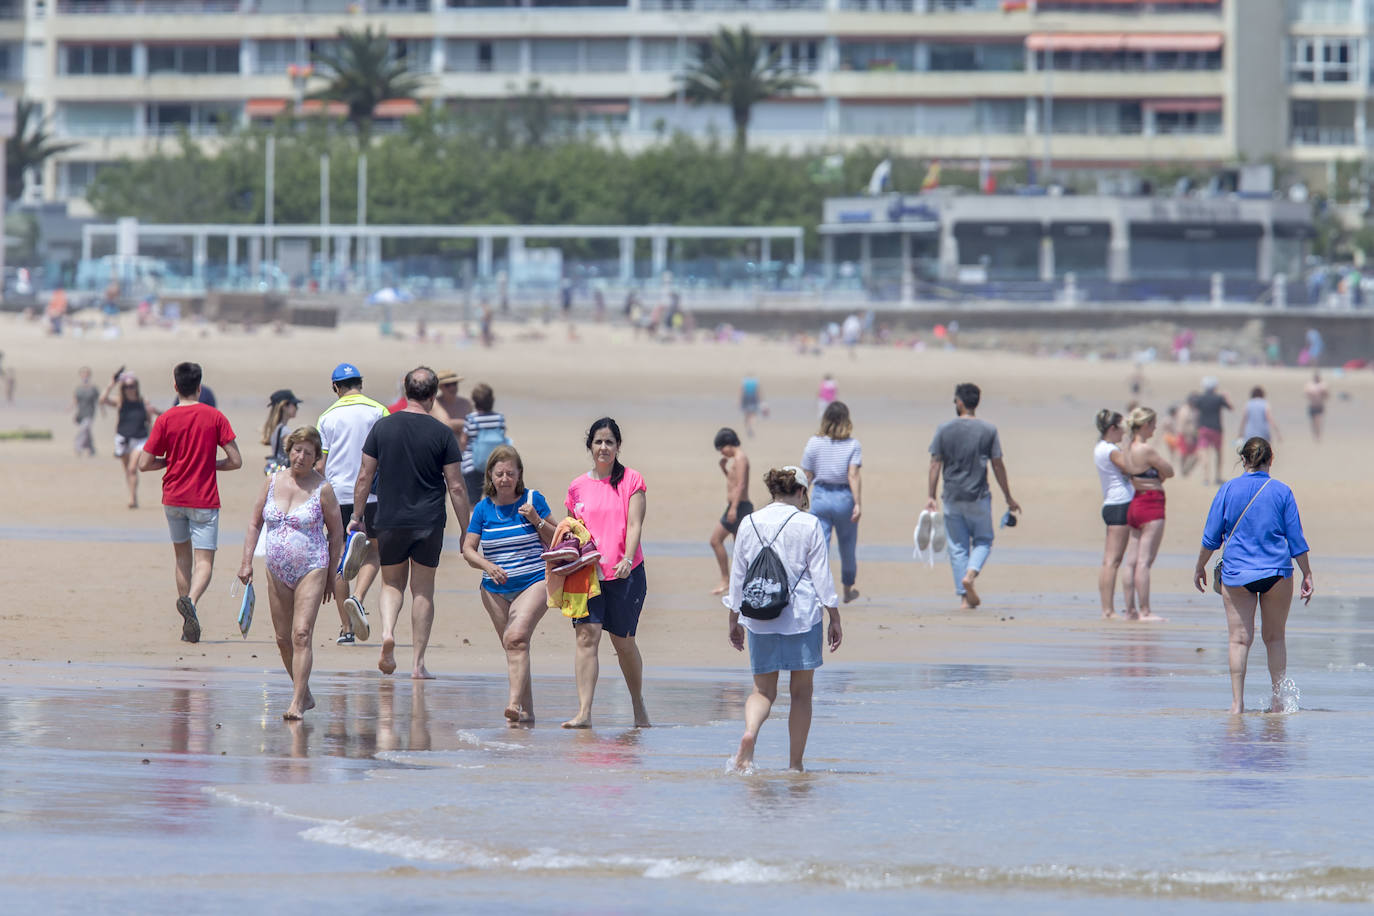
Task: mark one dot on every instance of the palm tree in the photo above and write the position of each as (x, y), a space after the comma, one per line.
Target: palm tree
(735, 69)
(31, 146)
(362, 72)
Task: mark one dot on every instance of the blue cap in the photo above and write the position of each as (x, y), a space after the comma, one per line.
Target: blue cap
(345, 371)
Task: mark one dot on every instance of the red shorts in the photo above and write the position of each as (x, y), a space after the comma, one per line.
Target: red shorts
(1208, 438)
(1147, 506)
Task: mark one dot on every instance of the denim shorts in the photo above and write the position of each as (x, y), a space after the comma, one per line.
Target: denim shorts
(769, 652)
(199, 526)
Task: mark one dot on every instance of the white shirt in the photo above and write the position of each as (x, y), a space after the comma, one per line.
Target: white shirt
(803, 551)
(1116, 486)
(343, 428)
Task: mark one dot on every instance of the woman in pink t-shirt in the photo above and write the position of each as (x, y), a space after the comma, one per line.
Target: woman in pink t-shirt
(609, 499)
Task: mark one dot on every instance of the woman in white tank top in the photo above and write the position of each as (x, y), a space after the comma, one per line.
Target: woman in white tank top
(1114, 472)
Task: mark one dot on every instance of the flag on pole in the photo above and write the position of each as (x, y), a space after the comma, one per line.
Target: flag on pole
(932, 179)
(881, 180)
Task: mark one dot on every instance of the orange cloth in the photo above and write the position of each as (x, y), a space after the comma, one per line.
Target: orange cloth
(570, 592)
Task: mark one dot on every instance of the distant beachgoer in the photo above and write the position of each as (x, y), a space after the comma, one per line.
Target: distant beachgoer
(7, 379)
(1315, 348)
(508, 532)
(750, 400)
(1259, 419)
(611, 500)
(449, 406)
(1208, 406)
(415, 461)
(304, 539)
(135, 415)
(186, 441)
(961, 452)
(1317, 394)
(791, 641)
(488, 337)
(1254, 521)
(84, 401)
(1136, 382)
(826, 395)
(1145, 515)
(282, 405)
(57, 310)
(850, 333)
(832, 459)
(343, 427)
(483, 430)
(734, 464)
(1114, 473)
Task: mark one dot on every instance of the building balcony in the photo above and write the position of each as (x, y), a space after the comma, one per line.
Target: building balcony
(129, 146)
(1330, 137)
(573, 85)
(166, 87)
(1352, 91)
(117, 27)
(1001, 84)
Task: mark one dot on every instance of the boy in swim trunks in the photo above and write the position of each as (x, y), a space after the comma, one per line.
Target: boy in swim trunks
(734, 464)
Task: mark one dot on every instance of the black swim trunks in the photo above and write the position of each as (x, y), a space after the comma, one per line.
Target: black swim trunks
(423, 545)
(745, 508)
(1260, 586)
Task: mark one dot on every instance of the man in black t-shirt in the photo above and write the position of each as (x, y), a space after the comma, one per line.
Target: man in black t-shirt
(1208, 407)
(415, 460)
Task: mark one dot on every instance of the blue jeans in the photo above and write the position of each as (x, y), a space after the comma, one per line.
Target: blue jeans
(968, 523)
(834, 507)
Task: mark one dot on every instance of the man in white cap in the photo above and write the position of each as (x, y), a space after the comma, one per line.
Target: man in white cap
(343, 427)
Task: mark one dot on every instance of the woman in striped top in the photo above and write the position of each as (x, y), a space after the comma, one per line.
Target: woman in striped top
(832, 460)
(509, 529)
(481, 419)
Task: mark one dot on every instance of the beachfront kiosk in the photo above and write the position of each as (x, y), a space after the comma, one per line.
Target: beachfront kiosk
(911, 246)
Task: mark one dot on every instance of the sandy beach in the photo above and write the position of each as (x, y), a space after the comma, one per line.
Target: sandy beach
(93, 675)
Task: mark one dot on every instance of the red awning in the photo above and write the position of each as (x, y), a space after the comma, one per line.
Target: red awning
(396, 108)
(604, 108)
(1181, 42)
(1073, 41)
(1182, 105)
(264, 108)
(318, 106)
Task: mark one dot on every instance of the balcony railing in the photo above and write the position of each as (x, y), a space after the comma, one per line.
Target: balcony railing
(146, 7)
(1325, 136)
(731, 6)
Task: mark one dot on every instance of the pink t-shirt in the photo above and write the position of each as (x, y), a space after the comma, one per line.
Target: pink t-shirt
(829, 388)
(606, 513)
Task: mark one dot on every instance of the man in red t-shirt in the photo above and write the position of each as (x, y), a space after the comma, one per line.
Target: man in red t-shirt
(186, 441)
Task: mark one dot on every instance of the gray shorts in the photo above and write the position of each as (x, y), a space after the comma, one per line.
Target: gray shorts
(125, 446)
(199, 526)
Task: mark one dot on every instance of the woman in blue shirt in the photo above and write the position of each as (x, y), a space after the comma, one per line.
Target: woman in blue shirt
(1259, 545)
(508, 531)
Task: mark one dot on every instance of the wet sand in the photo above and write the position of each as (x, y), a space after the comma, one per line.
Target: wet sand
(91, 649)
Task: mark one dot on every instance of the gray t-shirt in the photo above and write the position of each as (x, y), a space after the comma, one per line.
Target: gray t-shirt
(964, 446)
(86, 398)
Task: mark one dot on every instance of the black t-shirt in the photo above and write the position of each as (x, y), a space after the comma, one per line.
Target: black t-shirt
(1209, 406)
(411, 451)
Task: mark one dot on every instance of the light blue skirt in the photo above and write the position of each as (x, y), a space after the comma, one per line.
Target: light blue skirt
(769, 652)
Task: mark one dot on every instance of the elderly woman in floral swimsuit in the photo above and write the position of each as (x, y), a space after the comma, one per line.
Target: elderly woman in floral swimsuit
(304, 540)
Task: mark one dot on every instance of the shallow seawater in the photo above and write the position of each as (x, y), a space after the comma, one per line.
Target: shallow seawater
(1099, 772)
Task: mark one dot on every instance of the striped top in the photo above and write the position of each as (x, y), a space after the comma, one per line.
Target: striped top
(474, 423)
(510, 542)
(828, 460)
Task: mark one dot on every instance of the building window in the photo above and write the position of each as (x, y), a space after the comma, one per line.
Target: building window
(797, 56)
(193, 59)
(465, 55)
(1187, 122)
(73, 178)
(89, 60)
(1323, 60)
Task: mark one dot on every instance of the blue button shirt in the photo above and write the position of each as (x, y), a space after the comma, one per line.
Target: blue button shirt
(1269, 536)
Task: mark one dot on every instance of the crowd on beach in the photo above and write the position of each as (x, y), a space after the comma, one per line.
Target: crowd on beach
(362, 497)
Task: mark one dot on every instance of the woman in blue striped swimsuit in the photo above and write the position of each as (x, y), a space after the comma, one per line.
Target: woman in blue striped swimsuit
(509, 530)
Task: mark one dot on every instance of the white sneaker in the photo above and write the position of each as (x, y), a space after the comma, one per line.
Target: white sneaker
(357, 618)
(923, 526)
(355, 551)
(937, 532)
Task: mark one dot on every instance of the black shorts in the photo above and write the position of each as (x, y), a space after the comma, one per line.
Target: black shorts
(1115, 515)
(745, 507)
(1315, 410)
(473, 481)
(423, 545)
(369, 518)
(617, 607)
(1260, 586)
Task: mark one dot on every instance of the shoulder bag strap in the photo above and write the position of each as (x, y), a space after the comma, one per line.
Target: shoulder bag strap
(1242, 515)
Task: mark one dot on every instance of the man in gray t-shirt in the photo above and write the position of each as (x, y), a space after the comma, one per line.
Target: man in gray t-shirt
(961, 451)
(84, 399)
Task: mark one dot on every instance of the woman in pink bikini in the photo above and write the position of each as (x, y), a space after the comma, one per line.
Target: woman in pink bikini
(304, 540)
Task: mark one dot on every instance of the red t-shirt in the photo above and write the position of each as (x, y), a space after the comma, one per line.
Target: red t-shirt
(398, 406)
(189, 436)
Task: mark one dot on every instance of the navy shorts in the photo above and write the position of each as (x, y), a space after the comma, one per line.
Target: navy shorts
(617, 607)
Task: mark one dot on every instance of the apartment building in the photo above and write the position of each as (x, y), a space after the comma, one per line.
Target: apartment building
(1120, 82)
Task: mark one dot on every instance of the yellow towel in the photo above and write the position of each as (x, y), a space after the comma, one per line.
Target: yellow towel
(570, 592)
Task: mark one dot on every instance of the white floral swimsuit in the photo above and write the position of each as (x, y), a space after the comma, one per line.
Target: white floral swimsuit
(296, 541)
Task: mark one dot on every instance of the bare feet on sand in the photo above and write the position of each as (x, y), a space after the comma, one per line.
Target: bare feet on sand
(421, 674)
(293, 714)
(1109, 614)
(1147, 617)
(721, 589)
(641, 714)
(387, 663)
(971, 599)
(578, 722)
(850, 593)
